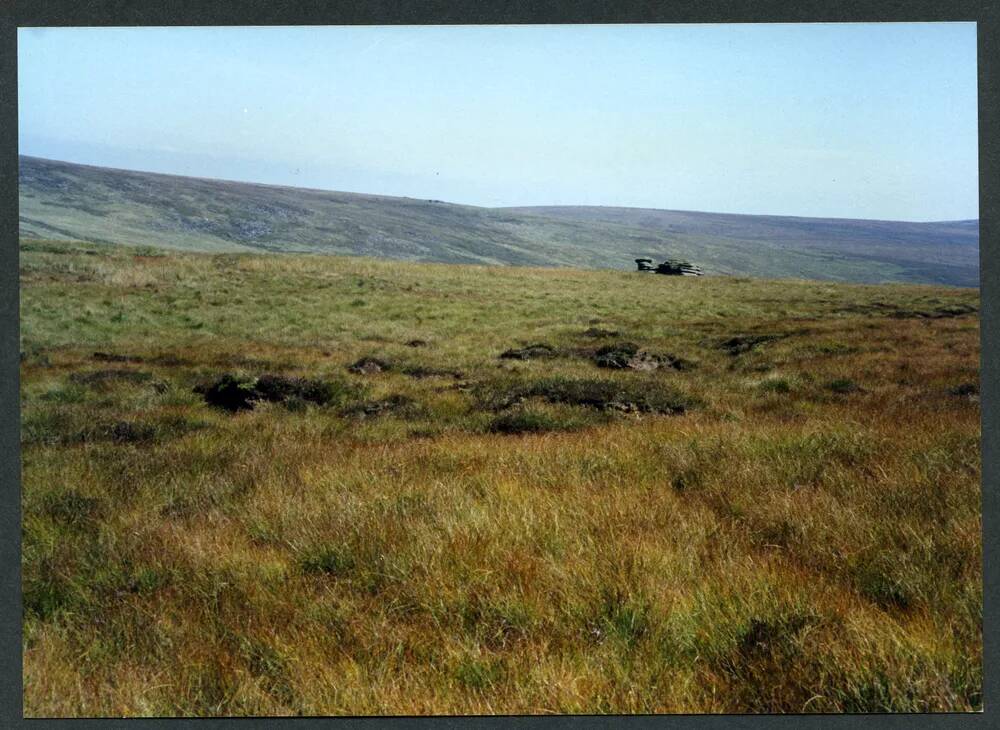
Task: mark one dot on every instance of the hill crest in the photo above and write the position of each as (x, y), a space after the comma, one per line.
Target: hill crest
(85, 202)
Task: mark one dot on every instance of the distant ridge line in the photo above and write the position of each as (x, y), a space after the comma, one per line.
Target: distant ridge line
(67, 201)
(522, 208)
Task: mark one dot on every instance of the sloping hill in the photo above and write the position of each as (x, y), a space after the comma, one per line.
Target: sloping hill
(940, 252)
(70, 201)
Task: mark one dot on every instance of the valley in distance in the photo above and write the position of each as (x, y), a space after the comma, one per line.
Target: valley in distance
(297, 452)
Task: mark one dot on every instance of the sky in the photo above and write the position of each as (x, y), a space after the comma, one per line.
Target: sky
(831, 120)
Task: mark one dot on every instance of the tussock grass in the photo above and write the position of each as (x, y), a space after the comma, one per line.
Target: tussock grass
(528, 536)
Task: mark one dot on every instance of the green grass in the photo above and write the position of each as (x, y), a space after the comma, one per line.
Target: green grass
(791, 524)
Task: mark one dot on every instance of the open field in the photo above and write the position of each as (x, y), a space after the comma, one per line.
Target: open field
(776, 508)
(62, 200)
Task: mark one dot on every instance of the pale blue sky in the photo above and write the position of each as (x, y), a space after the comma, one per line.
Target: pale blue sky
(845, 120)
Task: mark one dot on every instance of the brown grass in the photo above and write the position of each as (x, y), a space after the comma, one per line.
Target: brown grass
(805, 537)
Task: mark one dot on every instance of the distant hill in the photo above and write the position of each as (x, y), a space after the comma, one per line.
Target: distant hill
(63, 200)
(942, 252)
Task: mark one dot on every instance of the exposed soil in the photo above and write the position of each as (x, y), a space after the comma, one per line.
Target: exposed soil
(229, 393)
(234, 394)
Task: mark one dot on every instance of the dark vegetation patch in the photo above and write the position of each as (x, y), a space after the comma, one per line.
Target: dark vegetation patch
(129, 432)
(137, 432)
(229, 393)
(479, 674)
(739, 344)
(620, 616)
(537, 351)
(826, 349)
(277, 388)
(395, 404)
(165, 359)
(872, 308)
(763, 636)
(424, 371)
(616, 356)
(59, 426)
(896, 312)
(628, 355)
(271, 669)
(112, 357)
(757, 667)
(35, 356)
(168, 360)
(72, 508)
(599, 332)
(327, 561)
(965, 389)
(495, 623)
(685, 479)
(102, 377)
(369, 366)
(251, 363)
(524, 420)
(883, 582)
(45, 592)
(843, 386)
(945, 312)
(639, 396)
(234, 394)
(775, 385)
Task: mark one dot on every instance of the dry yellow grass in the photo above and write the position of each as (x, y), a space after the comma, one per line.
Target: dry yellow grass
(804, 537)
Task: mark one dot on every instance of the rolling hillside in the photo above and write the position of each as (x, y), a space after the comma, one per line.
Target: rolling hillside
(942, 252)
(60, 200)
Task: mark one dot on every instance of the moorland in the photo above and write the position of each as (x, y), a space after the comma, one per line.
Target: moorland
(304, 484)
(67, 201)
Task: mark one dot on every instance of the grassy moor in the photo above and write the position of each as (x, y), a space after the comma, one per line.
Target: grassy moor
(66, 201)
(311, 484)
